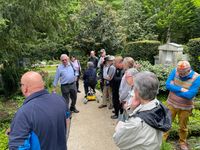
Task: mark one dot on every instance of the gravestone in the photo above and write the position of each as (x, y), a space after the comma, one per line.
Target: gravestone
(170, 54)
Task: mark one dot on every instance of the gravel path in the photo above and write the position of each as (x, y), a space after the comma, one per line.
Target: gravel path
(92, 128)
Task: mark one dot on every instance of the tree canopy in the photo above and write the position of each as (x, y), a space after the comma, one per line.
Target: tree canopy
(38, 30)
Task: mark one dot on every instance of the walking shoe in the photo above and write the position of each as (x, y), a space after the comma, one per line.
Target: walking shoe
(102, 106)
(184, 147)
(114, 117)
(79, 91)
(74, 110)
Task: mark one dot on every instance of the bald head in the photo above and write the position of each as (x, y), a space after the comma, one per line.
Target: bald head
(31, 82)
(92, 53)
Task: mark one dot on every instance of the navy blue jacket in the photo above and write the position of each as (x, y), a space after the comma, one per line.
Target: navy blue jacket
(40, 123)
(90, 73)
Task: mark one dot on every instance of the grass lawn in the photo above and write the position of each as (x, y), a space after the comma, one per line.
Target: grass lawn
(50, 69)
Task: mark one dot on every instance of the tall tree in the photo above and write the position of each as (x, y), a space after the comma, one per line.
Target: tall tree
(25, 28)
(175, 19)
(98, 28)
(136, 23)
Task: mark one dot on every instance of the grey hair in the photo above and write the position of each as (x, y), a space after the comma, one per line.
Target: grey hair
(90, 64)
(132, 71)
(63, 55)
(147, 85)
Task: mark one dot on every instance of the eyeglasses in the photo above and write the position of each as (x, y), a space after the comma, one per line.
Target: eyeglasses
(63, 60)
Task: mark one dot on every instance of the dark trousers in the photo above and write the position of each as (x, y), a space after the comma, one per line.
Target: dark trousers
(86, 88)
(69, 91)
(115, 100)
(77, 83)
(101, 84)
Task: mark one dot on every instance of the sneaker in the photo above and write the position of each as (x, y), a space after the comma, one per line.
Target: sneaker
(184, 147)
(102, 106)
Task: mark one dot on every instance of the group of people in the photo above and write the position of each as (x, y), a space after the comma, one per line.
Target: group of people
(42, 121)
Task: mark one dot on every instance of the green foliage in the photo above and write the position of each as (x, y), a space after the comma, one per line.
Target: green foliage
(7, 111)
(197, 104)
(3, 136)
(177, 20)
(11, 78)
(142, 50)
(136, 23)
(166, 146)
(98, 28)
(161, 72)
(193, 126)
(194, 53)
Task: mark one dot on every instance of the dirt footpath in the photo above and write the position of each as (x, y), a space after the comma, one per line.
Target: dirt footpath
(92, 128)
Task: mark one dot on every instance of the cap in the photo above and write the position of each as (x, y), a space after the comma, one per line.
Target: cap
(183, 66)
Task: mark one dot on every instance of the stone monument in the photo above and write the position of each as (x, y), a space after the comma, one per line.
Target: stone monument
(169, 54)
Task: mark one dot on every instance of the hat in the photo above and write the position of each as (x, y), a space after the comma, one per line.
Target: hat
(109, 57)
(183, 66)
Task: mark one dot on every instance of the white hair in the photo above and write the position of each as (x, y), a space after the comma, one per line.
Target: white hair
(63, 56)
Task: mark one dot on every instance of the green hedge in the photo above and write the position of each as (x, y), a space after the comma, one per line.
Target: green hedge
(142, 50)
(194, 53)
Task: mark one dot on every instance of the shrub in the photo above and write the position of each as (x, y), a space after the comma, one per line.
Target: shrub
(142, 50)
(165, 146)
(194, 53)
(193, 126)
(161, 72)
(11, 77)
(48, 79)
(3, 136)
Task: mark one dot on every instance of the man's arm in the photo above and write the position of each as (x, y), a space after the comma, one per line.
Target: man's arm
(170, 82)
(111, 72)
(19, 136)
(192, 91)
(56, 78)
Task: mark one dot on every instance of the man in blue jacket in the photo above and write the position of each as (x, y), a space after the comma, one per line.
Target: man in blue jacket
(40, 123)
(183, 84)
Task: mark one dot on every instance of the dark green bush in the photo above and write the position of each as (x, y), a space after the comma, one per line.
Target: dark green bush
(142, 50)
(194, 53)
(161, 72)
(11, 75)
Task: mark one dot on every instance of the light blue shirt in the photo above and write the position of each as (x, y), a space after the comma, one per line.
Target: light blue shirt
(66, 74)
